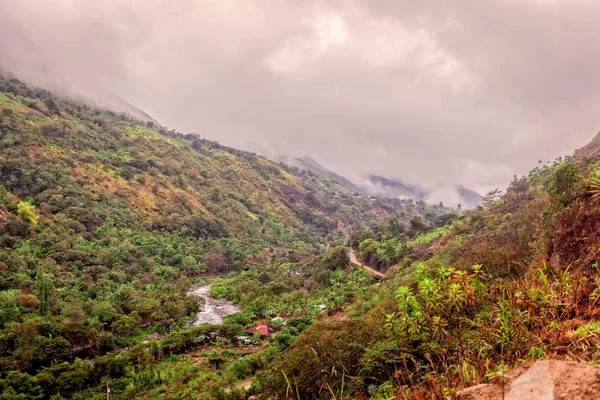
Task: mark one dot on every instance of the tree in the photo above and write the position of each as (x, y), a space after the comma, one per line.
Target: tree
(28, 213)
(562, 186)
(359, 236)
(183, 284)
(395, 227)
(335, 258)
(189, 265)
(417, 225)
(51, 104)
(104, 311)
(445, 219)
(216, 262)
(43, 291)
(368, 251)
(491, 197)
(127, 324)
(50, 351)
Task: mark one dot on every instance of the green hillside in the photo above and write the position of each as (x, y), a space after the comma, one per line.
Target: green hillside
(106, 222)
(506, 285)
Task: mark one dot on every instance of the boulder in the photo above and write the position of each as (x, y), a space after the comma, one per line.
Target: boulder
(469, 392)
(536, 383)
(544, 380)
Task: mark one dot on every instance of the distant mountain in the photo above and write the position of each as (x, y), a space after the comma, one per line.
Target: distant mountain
(470, 197)
(589, 151)
(117, 104)
(452, 194)
(382, 186)
(376, 185)
(309, 164)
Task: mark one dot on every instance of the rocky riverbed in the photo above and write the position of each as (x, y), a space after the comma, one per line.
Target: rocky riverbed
(214, 310)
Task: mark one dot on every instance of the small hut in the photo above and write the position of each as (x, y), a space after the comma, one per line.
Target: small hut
(262, 329)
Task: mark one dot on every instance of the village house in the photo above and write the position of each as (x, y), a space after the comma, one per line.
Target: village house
(262, 329)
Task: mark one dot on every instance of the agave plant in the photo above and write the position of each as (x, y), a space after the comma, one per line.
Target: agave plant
(595, 183)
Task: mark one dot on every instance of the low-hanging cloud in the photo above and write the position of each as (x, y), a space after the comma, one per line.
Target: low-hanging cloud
(429, 91)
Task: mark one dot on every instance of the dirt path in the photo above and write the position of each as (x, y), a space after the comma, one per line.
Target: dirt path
(345, 230)
(355, 261)
(245, 384)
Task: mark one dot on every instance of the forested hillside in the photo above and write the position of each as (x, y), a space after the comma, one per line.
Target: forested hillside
(106, 222)
(471, 302)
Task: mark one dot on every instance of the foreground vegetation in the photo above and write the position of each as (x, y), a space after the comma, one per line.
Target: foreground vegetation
(514, 282)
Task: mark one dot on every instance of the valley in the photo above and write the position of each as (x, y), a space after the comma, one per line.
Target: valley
(110, 229)
(166, 266)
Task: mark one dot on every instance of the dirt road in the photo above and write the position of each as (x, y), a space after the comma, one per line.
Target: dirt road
(355, 261)
(345, 229)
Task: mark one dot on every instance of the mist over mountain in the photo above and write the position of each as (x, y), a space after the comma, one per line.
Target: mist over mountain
(111, 228)
(237, 199)
(375, 185)
(308, 164)
(365, 87)
(451, 195)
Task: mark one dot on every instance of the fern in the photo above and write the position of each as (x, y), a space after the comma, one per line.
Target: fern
(594, 183)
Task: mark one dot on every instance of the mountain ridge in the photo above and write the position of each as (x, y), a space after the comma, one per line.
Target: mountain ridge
(107, 222)
(376, 185)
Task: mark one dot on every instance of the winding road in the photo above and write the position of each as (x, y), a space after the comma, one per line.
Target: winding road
(354, 260)
(344, 228)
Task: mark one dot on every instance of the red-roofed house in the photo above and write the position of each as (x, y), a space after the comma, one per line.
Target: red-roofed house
(263, 329)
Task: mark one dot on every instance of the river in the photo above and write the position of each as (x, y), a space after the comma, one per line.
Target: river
(214, 310)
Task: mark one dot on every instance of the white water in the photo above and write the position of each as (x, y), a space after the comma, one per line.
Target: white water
(214, 310)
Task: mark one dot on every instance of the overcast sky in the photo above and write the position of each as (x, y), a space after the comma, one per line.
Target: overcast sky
(466, 91)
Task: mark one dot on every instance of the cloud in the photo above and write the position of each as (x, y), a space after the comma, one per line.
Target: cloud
(429, 91)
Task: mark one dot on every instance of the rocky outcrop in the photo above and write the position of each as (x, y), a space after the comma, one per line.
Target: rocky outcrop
(589, 150)
(544, 380)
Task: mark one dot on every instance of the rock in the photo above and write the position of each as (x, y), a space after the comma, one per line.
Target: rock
(557, 380)
(575, 380)
(214, 309)
(537, 383)
(544, 380)
(153, 336)
(471, 391)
